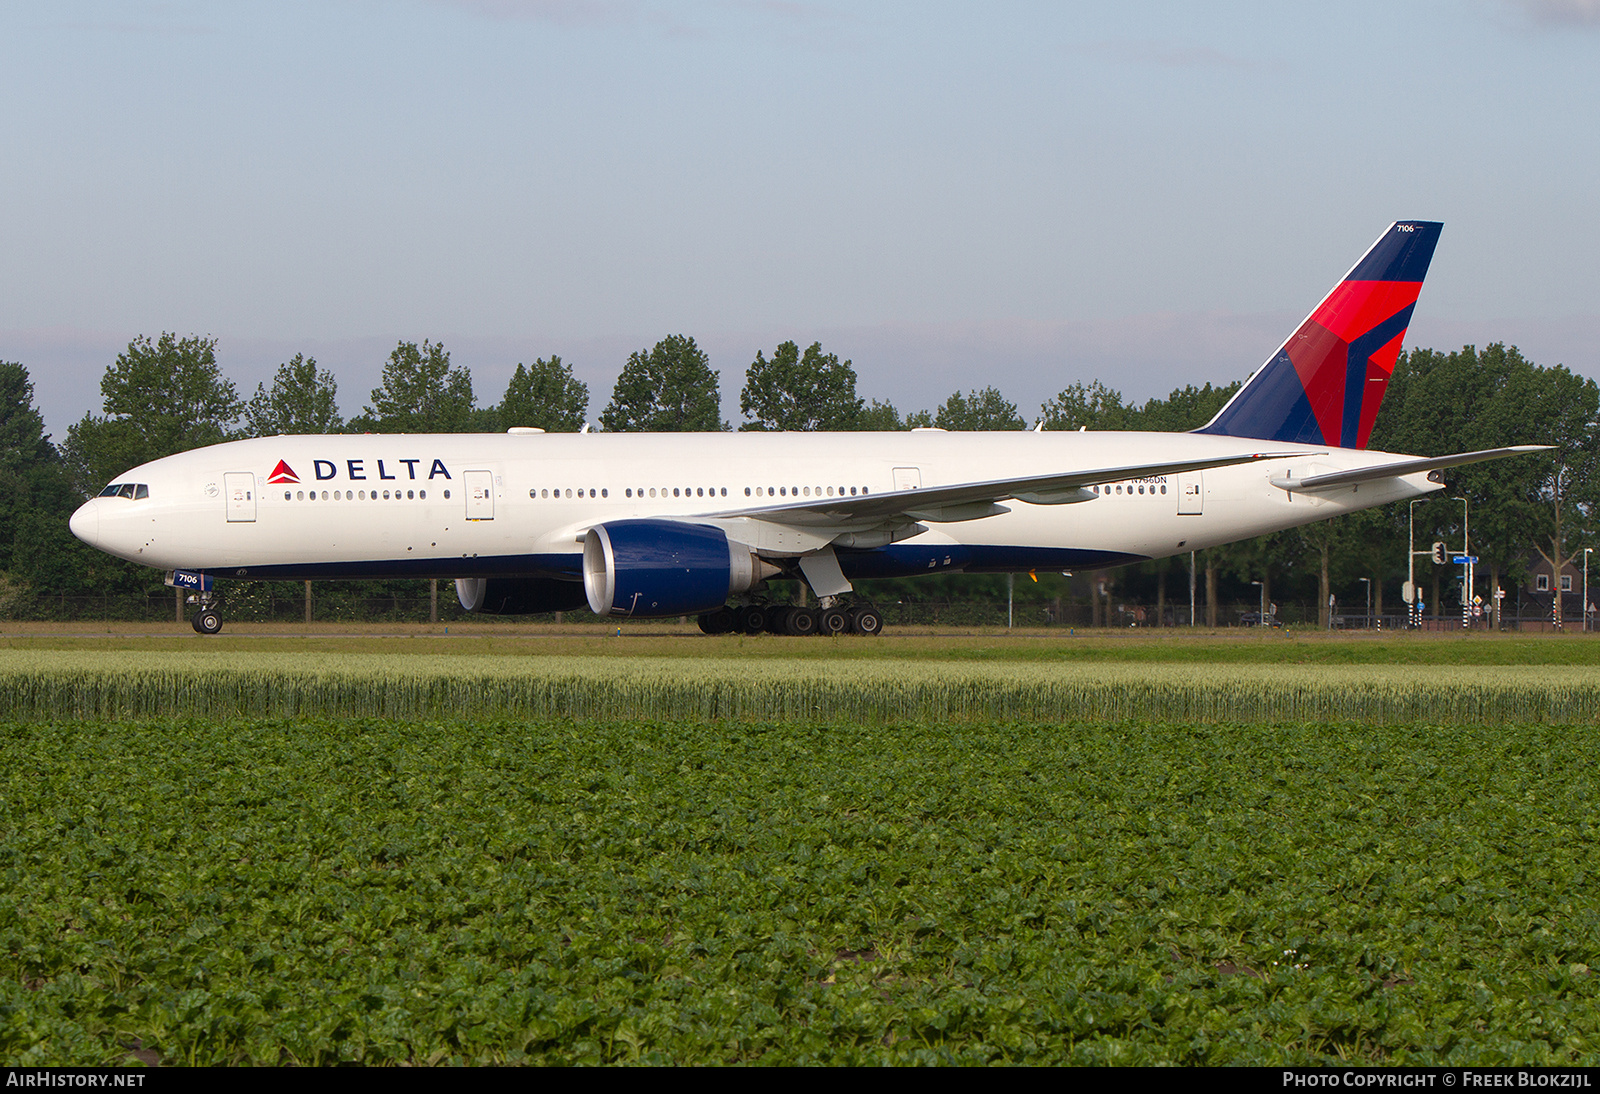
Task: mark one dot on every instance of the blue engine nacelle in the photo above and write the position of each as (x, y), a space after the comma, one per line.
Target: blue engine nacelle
(655, 568)
(518, 595)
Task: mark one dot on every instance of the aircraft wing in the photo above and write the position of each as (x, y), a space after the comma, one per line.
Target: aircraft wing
(972, 500)
(1404, 467)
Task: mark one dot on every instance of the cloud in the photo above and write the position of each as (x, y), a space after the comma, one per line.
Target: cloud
(567, 13)
(1168, 55)
(1572, 13)
(585, 14)
(148, 29)
(789, 9)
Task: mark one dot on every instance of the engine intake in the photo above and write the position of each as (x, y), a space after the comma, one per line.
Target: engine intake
(654, 568)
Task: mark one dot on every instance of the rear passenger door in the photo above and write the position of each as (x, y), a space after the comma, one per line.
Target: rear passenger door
(1191, 493)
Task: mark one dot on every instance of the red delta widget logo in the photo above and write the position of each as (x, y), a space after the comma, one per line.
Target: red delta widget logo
(357, 470)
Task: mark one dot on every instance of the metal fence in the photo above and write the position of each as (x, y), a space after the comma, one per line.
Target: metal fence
(247, 607)
(331, 605)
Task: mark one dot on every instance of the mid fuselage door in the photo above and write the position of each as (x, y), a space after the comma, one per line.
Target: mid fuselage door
(239, 487)
(480, 495)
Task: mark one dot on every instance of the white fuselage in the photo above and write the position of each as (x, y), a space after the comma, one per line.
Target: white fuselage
(463, 505)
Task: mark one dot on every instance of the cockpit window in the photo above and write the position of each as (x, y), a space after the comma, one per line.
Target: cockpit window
(111, 491)
(131, 490)
(140, 490)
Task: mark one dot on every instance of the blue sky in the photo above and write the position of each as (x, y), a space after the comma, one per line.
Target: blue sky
(950, 195)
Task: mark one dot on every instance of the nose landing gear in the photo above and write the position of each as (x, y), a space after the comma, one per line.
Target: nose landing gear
(206, 619)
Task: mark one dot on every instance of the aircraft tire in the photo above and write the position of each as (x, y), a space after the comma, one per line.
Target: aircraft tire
(720, 621)
(800, 621)
(866, 621)
(778, 620)
(751, 619)
(207, 621)
(833, 621)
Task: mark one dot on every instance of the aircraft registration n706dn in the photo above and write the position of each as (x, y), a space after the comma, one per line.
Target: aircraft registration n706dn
(655, 525)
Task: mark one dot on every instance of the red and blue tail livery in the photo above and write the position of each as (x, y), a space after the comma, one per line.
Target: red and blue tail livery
(1325, 384)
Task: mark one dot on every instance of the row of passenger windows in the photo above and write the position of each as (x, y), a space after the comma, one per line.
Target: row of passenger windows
(582, 493)
(1130, 489)
(139, 490)
(802, 491)
(541, 493)
(687, 492)
(357, 495)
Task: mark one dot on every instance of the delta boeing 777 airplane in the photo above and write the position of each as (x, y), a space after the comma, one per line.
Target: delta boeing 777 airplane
(655, 525)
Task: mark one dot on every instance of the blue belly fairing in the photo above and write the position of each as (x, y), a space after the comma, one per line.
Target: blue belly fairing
(895, 560)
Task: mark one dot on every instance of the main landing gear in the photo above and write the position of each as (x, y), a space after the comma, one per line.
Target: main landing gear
(792, 620)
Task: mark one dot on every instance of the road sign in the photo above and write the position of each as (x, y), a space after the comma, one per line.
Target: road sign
(1460, 560)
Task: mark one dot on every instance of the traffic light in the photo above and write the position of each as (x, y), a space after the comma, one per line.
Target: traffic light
(1439, 556)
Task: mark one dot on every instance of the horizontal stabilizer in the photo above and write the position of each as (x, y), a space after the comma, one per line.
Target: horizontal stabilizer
(1404, 467)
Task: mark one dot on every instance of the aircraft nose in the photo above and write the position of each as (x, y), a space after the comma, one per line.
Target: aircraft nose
(85, 523)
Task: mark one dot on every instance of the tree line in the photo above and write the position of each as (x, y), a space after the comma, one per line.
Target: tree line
(168, 395)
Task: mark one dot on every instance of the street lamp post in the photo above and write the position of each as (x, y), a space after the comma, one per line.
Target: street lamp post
(1586, 551)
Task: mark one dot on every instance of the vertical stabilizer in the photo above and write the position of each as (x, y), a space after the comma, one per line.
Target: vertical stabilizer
(1325, 384)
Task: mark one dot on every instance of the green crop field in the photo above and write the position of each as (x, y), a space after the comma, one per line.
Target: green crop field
(689, 852)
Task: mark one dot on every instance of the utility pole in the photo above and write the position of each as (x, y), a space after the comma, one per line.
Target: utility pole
(1586, 551)
(1191, 589)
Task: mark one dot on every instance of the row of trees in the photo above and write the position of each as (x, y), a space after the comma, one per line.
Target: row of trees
(1541, 506)
(168, 395)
